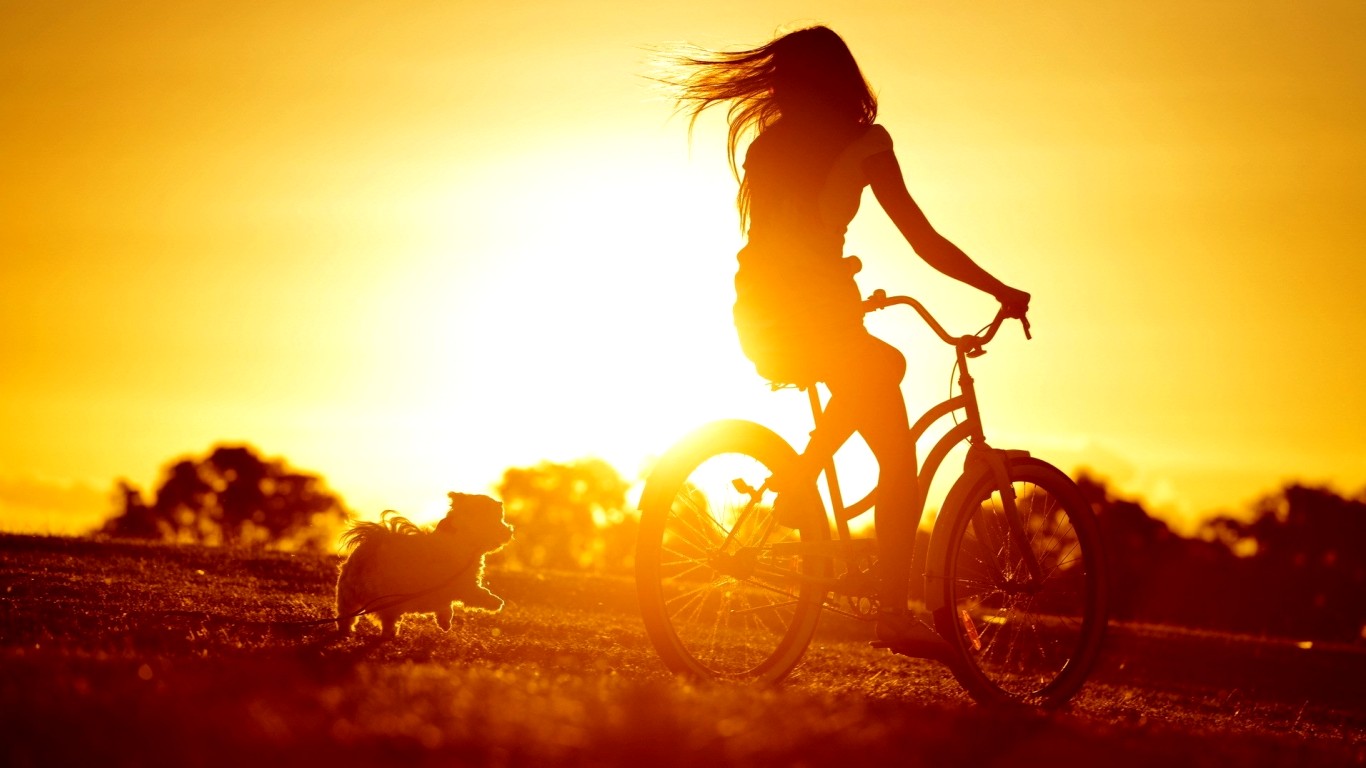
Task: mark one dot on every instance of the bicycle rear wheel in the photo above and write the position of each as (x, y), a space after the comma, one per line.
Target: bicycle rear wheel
(720, 581)
(1022, 640)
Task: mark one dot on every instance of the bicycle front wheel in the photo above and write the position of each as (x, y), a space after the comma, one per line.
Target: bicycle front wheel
(1024, 634)
(726, 591)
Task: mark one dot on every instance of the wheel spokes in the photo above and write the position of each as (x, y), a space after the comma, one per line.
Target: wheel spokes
(1021, 632)
(728, 597)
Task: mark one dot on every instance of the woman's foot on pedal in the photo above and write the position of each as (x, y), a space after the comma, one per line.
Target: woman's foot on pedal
(905, 634)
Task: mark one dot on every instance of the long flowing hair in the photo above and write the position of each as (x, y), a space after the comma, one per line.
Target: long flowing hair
(805, 75)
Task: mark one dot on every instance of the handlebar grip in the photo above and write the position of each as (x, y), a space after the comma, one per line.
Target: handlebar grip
(1024, 323)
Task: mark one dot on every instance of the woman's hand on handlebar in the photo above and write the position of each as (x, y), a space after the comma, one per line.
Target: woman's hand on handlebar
(1014, 303)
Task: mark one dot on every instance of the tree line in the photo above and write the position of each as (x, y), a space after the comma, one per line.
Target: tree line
(1295, 566)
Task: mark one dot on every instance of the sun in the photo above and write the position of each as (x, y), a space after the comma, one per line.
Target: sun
(617, 337)
(598, 325)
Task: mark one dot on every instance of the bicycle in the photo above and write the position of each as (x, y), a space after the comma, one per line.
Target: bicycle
(1014, 580)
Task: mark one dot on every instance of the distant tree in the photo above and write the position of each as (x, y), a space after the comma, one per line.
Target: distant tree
(232, 496)
(1305, 548)
(183, 502)
(1297, 569)
(137, 520)
(569, 515)
(1157, 575)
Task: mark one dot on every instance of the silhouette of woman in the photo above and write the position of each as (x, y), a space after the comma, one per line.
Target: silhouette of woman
(798, 311)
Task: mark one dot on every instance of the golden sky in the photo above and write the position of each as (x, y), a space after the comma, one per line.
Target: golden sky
(408, 245)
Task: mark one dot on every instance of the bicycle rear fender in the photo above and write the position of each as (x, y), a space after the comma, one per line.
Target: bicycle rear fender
(975, 467)
(658, 490)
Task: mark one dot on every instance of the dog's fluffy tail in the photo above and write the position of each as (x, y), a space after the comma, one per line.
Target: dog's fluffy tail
(359, 533)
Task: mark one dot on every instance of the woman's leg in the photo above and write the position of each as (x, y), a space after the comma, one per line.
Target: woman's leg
(895, 513)
(870, 396)
(866, 394)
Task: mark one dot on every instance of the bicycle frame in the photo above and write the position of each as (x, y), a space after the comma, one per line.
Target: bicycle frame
(969, 430)
(981, 457)
(737, 563)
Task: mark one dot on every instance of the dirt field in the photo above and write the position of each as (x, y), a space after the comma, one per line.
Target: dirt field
(138, 655)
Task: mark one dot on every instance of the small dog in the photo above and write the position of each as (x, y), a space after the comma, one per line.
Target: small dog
(395, 567)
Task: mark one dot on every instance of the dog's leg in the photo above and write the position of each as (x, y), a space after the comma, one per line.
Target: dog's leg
(480, 597)
(388, 625)
(346, 609)
(443, 617)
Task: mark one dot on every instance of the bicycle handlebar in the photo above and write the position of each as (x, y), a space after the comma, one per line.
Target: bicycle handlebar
(972, 341)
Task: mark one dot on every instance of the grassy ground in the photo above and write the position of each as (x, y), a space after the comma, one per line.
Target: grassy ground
(149, 655)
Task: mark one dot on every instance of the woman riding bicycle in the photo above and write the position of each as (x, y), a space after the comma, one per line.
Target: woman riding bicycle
(798, 310)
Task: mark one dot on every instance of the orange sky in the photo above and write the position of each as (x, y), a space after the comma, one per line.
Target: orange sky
(408, 247)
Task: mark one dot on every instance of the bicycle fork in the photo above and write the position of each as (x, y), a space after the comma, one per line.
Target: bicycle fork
(996, 461)
(994, 536)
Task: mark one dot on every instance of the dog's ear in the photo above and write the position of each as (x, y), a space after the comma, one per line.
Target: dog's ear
(472, 503)
(459, 510)
(463, 502)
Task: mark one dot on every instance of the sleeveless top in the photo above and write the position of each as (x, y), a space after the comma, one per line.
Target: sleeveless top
(793, 285)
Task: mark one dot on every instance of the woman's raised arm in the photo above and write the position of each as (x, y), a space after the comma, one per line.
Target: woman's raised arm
(889, 187)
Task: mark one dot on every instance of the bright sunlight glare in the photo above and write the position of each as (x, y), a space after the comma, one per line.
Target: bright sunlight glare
(600, 329)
